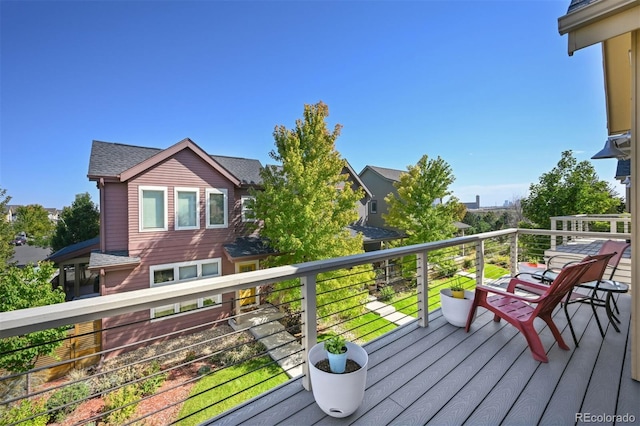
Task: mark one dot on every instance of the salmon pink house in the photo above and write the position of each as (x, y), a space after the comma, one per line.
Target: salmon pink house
(168, 216)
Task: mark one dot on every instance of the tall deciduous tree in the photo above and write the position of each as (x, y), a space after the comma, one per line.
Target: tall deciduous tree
(34, 220)
(77, 223)
(22, 288)
(6, 231)
(571, 187)
(305, 205)
(420, 209)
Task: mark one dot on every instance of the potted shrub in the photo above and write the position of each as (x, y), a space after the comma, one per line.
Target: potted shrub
(338, 394)
(337, 353)
(455, 307)
(457, 290)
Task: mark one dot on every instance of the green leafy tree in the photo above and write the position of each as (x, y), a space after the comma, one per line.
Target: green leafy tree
(6, 231)
(419, 208)
(22, 288)
(34, 220)
(306, 205)
(571, 187)
(77, 223)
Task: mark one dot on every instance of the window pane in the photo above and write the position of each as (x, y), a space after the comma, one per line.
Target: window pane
(209, 301)
(152, 209)
(216, 209)
(187, 209)
(163, 311)
(189, 306)
(187, 272)
(163, 276)
(209, 269)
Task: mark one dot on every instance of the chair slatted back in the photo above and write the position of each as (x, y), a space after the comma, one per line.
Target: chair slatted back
(568, 278)
(596, 271)
(617, 248)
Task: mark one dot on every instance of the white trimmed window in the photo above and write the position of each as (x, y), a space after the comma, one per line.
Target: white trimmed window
(174, 273)
(373, 206)
(247, 213)
(187, 203)
(217, 202)
(153, 208)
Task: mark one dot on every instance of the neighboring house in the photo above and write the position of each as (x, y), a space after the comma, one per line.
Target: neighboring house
(380, 182)
(74, 276)
(11, 214)
(168, 216)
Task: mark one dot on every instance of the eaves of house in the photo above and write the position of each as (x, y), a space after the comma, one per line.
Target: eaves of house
(118, 162)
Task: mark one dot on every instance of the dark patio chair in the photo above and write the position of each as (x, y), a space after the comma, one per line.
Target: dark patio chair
(521, 311)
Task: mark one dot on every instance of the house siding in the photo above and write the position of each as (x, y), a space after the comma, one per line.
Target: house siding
(380, 188)
(184, 169)
(114, 217)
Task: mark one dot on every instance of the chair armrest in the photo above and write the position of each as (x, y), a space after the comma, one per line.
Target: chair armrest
(516, 282)
(494, 290)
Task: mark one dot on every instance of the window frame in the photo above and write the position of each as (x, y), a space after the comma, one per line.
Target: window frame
(225, 207)
(177, 190)
(372, 209)
(243, 210)
(200, 302)
(141, 190)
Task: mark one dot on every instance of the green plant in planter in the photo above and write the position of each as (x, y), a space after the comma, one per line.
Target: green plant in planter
(336, 348)
(457, 290)
(335, 345)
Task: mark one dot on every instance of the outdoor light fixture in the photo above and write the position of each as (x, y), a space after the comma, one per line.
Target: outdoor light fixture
(617, 146)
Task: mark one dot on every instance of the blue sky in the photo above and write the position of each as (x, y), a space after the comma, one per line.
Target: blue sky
(486, 85)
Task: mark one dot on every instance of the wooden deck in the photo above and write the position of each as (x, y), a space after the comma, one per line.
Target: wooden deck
(441, 375)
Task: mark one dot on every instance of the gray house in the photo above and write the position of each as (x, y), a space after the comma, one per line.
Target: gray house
(380, 182)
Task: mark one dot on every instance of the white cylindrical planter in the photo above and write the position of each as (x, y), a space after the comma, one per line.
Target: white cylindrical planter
(456, 311)
(338, 395)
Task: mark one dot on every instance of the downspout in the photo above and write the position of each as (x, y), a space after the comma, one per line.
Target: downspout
(103, 240)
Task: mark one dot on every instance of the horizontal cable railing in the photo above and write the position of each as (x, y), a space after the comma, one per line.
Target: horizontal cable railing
(117, 364)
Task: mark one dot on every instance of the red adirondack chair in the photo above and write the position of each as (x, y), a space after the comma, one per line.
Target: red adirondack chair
(520, 311)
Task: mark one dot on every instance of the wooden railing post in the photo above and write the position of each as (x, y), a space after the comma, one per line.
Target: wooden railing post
(552, 238)
(422, 266)
(514, 254)
(309, 319)
(480, 262)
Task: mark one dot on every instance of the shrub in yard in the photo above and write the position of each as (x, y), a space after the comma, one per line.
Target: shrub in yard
(103, 383)
(154, 381)
(66, 399)
(386, 293)
(469, 262)
(23, 410)
(239, 354)
(118, 400)
(500, 260)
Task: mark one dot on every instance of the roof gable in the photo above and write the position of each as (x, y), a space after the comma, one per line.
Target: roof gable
(170, 152)
(114, 160)
(389, 174)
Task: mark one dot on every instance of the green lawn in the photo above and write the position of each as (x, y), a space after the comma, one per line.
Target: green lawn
(241, 387)
(368, 326)
(407, 302)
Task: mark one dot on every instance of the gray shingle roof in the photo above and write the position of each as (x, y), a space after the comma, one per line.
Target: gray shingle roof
(110, 159)
(372, 233)
(577, 4)
(100, 260)
(80, 249)
(248, 247)
(391, 174)
(245, 170)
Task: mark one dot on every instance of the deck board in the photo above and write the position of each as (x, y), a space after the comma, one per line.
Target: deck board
(441, 375)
